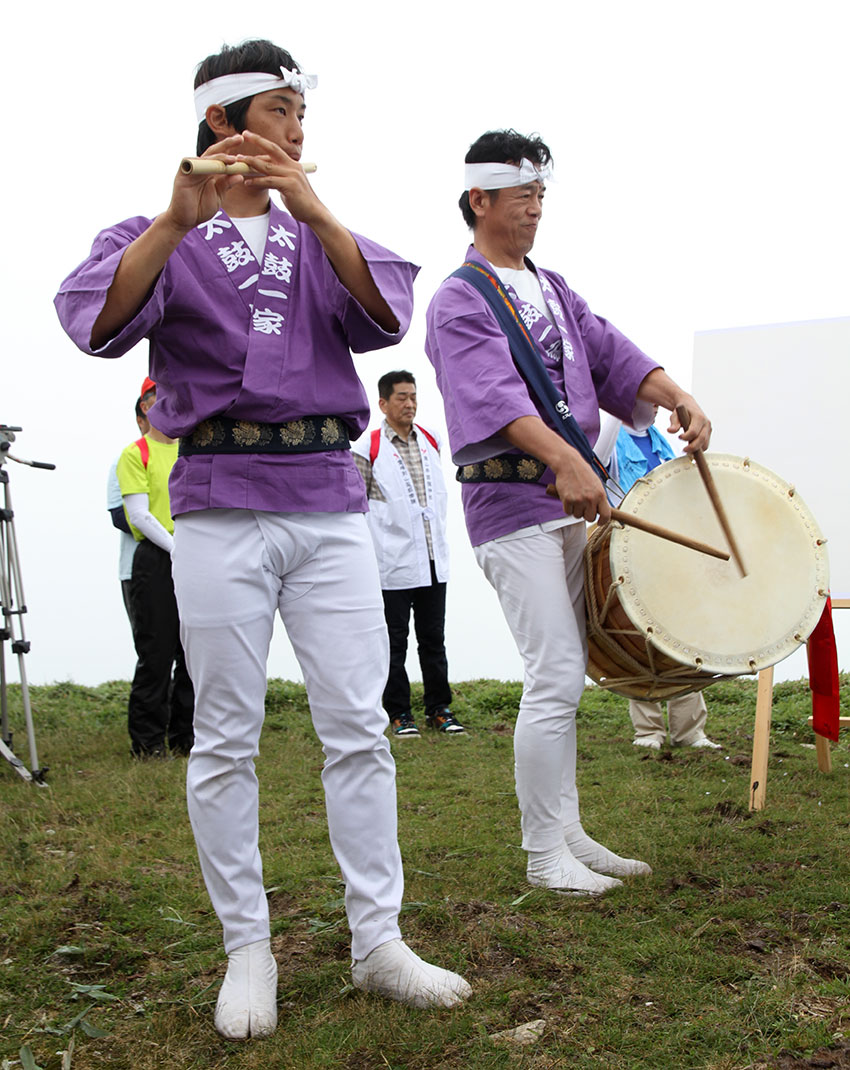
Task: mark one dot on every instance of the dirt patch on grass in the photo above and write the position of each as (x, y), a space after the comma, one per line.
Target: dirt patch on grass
(746, 891)
(729, 813)
(692, 880)
(293, 949)
(474, 909)
(837, 1056)
(830, 969)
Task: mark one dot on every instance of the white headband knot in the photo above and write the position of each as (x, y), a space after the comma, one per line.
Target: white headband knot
(232, 87)
(504, 175)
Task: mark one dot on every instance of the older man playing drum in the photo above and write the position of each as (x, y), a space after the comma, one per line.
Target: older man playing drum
(504, 435)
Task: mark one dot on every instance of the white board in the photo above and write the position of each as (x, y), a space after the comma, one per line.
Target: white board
(780, 394)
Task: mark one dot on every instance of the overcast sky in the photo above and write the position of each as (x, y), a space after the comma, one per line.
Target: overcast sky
(701, 183)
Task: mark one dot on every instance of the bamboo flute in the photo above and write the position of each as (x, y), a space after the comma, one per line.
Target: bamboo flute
(199, 165)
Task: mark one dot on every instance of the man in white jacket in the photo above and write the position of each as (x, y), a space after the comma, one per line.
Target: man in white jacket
(400, 464)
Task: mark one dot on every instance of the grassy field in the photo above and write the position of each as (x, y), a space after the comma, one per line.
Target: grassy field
(735, 953)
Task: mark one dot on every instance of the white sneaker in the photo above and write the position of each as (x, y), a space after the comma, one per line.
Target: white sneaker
(394, 971)
(601, 860)
(706, 744)
(562, 872)
(247, 1002)
(646, 741)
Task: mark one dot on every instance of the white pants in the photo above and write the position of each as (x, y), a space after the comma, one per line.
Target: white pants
(233, 569)
(539, 582)
(686, 716)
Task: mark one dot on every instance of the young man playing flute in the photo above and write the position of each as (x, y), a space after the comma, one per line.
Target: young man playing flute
(251, 312)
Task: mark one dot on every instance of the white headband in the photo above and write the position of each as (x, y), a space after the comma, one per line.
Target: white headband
(232, 87)
(503, 175)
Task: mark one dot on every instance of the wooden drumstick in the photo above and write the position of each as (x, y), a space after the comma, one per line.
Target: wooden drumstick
(632, 521)
(199, 165)
(711, 488)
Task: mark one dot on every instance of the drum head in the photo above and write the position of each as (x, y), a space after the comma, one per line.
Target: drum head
(699, 610)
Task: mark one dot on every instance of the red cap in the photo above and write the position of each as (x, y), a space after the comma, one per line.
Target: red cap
(147, 386)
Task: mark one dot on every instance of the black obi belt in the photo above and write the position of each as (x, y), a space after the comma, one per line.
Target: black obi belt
(310, 434)
(509, 468)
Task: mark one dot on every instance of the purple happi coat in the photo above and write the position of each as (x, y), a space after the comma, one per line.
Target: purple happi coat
(591, 363)
(267, 342)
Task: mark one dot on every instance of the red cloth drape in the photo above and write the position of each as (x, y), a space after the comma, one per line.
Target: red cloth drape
(823, 676)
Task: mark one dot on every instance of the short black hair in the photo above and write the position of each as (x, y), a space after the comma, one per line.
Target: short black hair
(502, 146)
(258, 55)
(139, 414)
(388, 382)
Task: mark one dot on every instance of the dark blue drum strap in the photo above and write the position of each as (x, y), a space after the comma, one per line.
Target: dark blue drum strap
(529, 362)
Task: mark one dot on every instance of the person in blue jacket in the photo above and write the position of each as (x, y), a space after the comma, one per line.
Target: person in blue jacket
(636, 453)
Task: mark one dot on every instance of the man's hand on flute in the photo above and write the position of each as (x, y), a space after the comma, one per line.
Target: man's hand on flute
(277, 169)
(194, 200)
(197, 198)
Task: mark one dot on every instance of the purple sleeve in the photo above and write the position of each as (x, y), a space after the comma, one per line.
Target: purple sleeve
(82, 295)
(481, 387)
(617, 366)
(394, 278)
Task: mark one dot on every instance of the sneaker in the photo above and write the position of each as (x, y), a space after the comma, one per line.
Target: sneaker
(704, 743)
(404, 726)
(562, 872)
(394, 971)
(247, 1002)
(441, 720)
(155, 754)
(646, 741)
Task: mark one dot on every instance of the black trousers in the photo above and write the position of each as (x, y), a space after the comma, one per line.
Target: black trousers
(125, 594)
(161, 707)
(429, 616)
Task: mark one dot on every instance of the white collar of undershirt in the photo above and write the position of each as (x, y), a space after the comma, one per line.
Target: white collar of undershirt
(254, 229)
(527, 286)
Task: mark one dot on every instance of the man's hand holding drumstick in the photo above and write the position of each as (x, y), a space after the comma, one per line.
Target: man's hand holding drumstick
(576, 484)
(687, 417)
(659, 389)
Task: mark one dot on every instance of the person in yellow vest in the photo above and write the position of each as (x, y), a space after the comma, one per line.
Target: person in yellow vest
(161, 707)
(115, 506)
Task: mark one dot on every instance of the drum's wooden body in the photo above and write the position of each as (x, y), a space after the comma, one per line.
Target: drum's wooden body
(664, 620)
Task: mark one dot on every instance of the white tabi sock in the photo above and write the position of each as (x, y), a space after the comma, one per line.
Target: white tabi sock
(247, 1002)
(561, 871)
(394, 971)
(599, 858)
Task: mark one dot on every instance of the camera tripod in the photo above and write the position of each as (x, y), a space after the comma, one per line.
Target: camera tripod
(13, 606)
